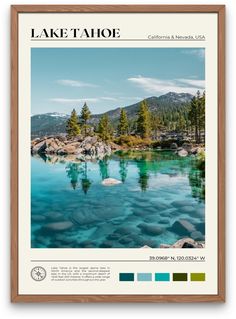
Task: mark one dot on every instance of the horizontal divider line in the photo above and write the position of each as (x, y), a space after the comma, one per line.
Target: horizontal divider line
(107, 40)
(38, 260)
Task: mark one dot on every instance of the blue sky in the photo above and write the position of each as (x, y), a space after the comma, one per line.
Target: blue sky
(107, 78)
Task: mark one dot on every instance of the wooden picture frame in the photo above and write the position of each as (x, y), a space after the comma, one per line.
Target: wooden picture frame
(16, 10)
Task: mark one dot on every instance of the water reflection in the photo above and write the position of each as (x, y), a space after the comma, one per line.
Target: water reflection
(123, 170)
(78, 171)
(72, 170)
(85, 181)
(157, 189)
(147, 163)
(103, 167)
(197, 181)
(143, 173)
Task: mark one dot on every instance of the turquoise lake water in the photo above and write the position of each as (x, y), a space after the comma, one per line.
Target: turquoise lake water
(70, 208)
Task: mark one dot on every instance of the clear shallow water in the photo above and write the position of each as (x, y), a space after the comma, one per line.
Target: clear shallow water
(70, 208)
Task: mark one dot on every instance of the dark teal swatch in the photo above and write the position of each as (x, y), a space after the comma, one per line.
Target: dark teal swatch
(126, 276)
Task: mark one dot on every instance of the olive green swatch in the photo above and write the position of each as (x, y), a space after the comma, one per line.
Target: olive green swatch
(197, 276)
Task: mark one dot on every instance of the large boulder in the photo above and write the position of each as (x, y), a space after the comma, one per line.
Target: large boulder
(187, 147)
(39, 147)
(87, 146)
(173, 146)
(94, 139)
(53, 145)
(110, 182)
(183, 153)
(68, 149)
(87, 140)
(184, 243)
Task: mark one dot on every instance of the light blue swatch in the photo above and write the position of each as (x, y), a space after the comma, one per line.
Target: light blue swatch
(144, 276)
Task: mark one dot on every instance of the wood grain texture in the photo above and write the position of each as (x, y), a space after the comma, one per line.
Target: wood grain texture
(221, 153)
(14, 154)
(15, 10)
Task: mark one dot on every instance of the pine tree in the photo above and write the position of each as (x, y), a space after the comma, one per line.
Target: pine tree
(202, 114)
(104, 128)
(85, 116)
(72, 126)
(143, 122)
(181, 124)
(123, 123)
(155, 124)
(197, 115)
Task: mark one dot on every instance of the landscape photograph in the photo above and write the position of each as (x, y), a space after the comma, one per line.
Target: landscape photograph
(118, 148)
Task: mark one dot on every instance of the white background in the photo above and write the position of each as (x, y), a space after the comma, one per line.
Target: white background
(8, 310)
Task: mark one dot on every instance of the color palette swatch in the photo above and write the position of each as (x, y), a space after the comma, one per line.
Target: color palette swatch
(200, 276)
(180, 276)
(144, 276)
(128, 276)
(162, 276)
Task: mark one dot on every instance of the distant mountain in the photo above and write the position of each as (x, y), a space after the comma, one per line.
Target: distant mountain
(48, 124)
(55, 123)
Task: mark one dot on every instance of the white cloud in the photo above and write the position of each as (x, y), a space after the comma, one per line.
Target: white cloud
(71, 101)
(74, 83)
(200, 53)
(135, 98)
(82, 100)
(107, 98)
(194, 83)
(157, 86)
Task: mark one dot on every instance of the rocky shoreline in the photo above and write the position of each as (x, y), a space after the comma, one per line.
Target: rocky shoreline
(185, 243)
(92, 147)
(84, 148)
(182, 243)
(187, 149)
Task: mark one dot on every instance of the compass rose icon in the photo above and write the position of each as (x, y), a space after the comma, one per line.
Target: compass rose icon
(38, 273)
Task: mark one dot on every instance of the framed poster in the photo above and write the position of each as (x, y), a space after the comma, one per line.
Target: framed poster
(117, 184)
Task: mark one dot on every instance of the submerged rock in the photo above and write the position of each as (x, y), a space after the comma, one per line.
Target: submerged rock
(182, 227)
(55, 216)
(182, 203)
(58, 226)
(151, 229)
(201, 227)
(106, 244)
(125, 230)
(84, 218)
(38, 218)
(125, 240)
(197, 235)
(110, 182)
